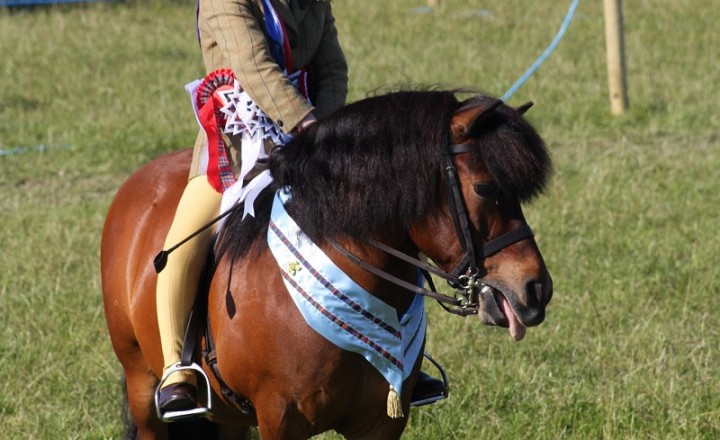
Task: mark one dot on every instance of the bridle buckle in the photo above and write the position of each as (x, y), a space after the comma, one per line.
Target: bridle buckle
(467, 285)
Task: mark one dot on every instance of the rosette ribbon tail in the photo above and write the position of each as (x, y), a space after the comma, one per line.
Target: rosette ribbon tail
(208, 121)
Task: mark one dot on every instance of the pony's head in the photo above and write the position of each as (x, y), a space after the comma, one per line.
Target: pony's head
(378, 168)
(500, 162)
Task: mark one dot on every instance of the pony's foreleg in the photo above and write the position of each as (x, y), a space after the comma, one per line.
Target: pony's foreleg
(381, 431)
(281, 420)
(141, 385)
(371, 424)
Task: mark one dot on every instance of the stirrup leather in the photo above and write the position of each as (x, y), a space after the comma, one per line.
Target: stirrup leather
(435, 397)
(174, 416)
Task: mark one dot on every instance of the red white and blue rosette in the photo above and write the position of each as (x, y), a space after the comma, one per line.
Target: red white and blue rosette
(206, 96)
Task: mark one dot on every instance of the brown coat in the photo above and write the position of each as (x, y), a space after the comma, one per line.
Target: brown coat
(232, 35)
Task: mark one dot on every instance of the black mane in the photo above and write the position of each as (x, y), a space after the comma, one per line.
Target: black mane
(370, 167)
(374, 167)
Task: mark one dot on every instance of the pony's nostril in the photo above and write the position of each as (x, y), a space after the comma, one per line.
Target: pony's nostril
(534, 294)
(539, 293)
(543, 292)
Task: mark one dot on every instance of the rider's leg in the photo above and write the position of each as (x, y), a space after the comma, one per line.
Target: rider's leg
(178, 282)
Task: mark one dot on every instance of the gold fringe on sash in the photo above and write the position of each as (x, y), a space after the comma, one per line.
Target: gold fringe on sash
(394, 408)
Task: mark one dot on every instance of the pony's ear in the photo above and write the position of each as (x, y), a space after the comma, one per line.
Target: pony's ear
(468, 118)
(525, 107)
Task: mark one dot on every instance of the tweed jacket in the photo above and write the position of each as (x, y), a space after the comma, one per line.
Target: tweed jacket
(232, 35)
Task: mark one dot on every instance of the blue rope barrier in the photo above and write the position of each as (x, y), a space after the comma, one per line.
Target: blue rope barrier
(545, 54)
(36, 149)
(4, 3)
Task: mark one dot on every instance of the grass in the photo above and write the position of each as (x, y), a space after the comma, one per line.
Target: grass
(629, 349)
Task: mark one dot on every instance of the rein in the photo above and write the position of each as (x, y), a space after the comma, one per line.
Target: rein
(465, 278)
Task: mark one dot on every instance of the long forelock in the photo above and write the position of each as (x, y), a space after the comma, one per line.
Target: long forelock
(514, 154)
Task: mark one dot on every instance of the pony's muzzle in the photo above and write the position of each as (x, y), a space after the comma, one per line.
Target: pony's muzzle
(502, 306)
(489, 311)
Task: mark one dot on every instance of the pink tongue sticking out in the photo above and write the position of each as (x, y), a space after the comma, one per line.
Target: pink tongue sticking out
(517, 331)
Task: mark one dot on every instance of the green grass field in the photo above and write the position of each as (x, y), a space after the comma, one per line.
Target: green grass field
(630, 347)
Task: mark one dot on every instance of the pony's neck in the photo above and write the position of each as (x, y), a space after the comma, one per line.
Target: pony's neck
(437, 239)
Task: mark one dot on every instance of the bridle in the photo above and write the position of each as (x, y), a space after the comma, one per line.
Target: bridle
(466, 277)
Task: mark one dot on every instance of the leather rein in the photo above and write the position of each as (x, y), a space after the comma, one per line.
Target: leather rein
(465, 278)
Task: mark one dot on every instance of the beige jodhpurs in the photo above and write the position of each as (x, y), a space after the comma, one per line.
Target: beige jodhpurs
(178, 282)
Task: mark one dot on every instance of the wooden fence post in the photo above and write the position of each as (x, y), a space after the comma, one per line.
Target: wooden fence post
(433, 3)
(615, 46)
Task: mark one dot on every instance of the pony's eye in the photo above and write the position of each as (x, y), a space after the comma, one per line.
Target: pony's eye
(487, 191)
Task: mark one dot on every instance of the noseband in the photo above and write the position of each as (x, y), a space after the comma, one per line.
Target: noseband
(466, 277)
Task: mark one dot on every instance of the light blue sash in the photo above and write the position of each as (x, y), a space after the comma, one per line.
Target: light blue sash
(339, 309)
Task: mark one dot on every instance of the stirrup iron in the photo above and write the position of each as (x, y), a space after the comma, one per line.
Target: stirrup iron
(436, 397)
(200, 411)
